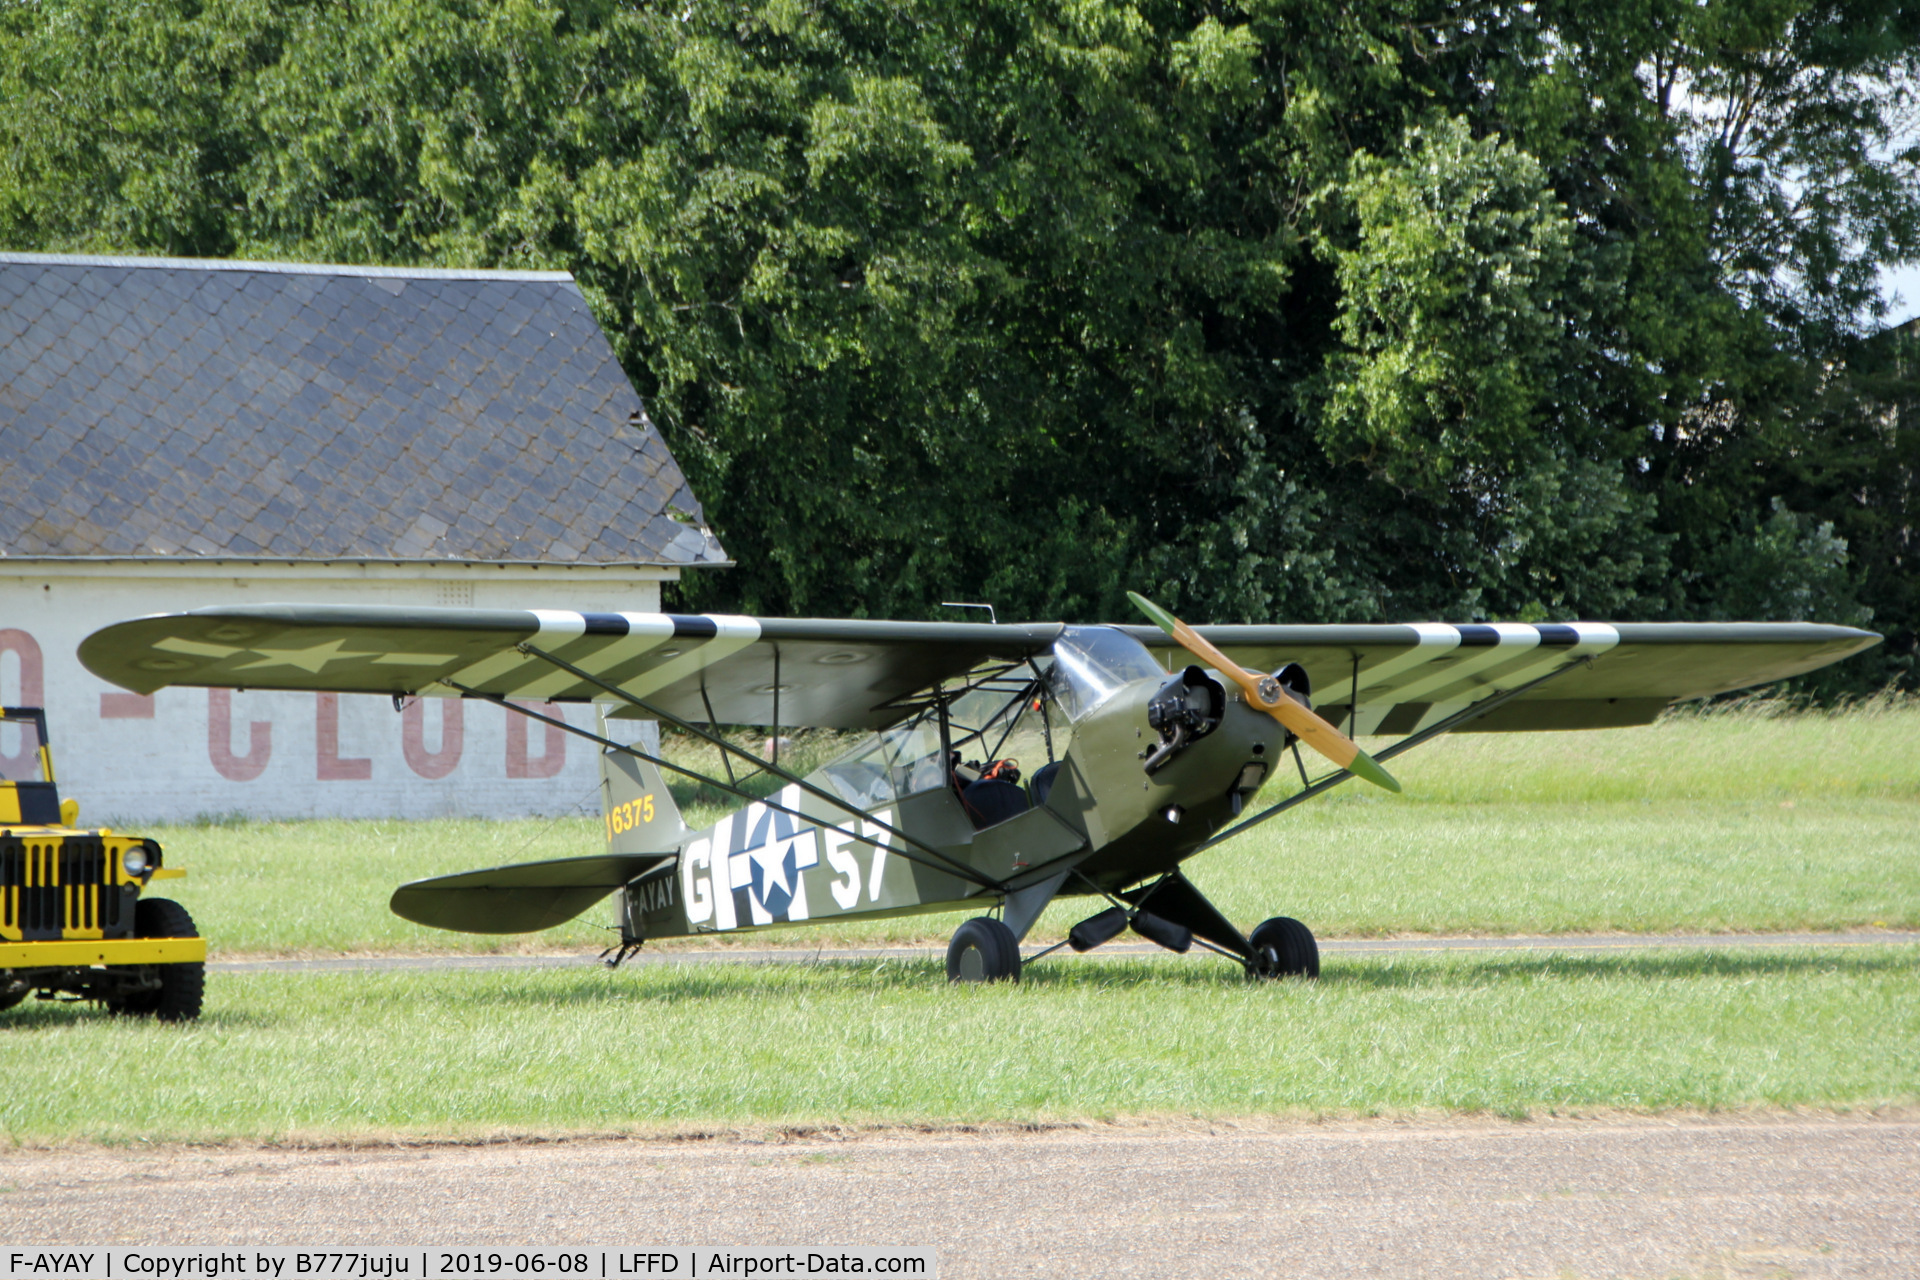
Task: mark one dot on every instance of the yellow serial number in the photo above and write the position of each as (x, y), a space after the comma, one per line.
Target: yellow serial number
(625, 817)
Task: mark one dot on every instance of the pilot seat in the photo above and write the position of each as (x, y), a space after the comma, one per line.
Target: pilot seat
(991, 793)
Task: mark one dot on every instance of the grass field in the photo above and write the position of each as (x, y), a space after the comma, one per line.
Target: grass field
(1727, 822)
(677, 1048)
(1703, 823)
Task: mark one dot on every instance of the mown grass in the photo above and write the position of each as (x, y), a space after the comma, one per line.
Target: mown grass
(1723, 822)
(1756, 751)
(1750, 820)
(706, 1046)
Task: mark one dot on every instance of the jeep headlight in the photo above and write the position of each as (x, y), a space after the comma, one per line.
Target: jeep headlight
(135, 861)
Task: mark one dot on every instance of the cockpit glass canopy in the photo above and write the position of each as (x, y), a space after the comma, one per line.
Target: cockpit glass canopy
(1090, 664)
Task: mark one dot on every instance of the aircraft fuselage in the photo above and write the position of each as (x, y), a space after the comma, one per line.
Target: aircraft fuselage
(1105, 818)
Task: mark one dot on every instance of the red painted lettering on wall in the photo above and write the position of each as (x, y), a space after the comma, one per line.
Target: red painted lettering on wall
(413, 736)
(332, 766)
(519, 764)
(31, 692)
(235, 768)
(126, 706)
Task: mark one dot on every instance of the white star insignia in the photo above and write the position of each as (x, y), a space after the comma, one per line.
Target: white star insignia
(312, 659)
(772, 859)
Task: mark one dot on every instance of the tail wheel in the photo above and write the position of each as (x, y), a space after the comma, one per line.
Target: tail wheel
(1283, 948)
(983, 950)
(182, 986)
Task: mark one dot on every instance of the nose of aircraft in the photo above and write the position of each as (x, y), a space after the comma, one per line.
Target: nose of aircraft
(1228, 762)
(1271, 696)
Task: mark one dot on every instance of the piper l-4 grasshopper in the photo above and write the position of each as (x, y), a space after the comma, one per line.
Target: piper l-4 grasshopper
(1143, 747)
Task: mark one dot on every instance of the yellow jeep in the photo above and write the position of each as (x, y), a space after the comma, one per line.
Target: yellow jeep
(72, 922)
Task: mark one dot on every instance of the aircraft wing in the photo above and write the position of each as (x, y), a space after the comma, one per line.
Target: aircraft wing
(834, 673)
(1408, 677)
(851, 674)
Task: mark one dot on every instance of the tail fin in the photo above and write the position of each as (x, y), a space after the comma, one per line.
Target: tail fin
(640, 812)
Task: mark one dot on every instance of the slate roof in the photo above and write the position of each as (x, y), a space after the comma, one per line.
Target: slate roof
(174, 408)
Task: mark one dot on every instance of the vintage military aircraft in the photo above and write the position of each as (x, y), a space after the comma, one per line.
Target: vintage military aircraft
(1142, 746)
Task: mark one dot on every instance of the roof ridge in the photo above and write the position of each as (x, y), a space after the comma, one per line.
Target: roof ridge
(279, 268)
(290, 411)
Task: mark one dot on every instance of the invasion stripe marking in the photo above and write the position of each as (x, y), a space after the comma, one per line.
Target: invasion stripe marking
(1435, 639)
(1402, 718)
(1581, 639)
(729, 634)
(698, 626)
(509, 672)
(1510, 640)
(555, 623)
(551, 625)
(637, 634)
(605, 624)
(1586, 638)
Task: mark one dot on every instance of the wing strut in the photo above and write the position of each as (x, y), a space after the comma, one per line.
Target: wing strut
(1408, 743)
(953, 866)
(725, 762)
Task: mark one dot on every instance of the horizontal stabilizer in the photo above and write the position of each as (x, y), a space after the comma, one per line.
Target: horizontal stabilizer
(523, 898)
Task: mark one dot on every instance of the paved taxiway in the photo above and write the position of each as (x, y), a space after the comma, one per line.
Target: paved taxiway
(1809, 1196)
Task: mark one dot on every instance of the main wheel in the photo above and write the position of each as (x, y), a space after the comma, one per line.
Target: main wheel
(182, 986)
(1283, 948)
(983, 950)
(13, 991)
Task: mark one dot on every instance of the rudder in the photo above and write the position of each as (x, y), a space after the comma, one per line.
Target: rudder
(640, 814)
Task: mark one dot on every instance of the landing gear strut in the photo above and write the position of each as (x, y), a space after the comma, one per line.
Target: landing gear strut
(1280, 948)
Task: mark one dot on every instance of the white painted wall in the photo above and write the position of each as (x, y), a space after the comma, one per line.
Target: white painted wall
(191, 752)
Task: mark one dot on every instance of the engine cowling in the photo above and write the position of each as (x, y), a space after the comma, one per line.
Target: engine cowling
(1185, 709)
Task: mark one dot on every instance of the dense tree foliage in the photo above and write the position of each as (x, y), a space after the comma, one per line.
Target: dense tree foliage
(1281, 310)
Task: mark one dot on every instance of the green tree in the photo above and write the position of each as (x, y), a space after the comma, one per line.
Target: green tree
(1284, 309)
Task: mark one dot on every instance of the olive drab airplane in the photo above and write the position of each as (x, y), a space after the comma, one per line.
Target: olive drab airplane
(1004, 765)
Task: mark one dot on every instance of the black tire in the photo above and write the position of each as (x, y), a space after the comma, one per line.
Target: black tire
(983, 950)
(12, 992)
(1283, 948)
(182, 986)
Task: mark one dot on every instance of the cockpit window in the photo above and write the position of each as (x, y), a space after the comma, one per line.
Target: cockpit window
(989, 720)
(897, 762)
(1090, 664)
(1006, 713)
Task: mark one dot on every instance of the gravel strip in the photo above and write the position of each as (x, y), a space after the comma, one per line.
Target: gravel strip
(1792, 1196)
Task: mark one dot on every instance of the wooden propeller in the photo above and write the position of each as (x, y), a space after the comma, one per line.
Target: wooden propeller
(1265, 693)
